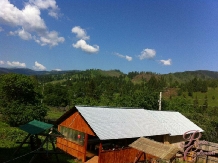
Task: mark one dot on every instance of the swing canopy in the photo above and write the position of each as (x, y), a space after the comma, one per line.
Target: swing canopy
(35, 127)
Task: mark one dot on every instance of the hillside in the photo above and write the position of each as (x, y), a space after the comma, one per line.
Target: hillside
(134, 76)
(189, 75)
(180, 77)
(26, 71)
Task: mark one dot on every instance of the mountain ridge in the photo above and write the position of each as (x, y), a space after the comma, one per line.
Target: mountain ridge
(27, 71)
(177, 76)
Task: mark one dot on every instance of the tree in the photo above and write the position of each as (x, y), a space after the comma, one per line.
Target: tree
(152, 83)
(212, 83)
(18, 88)
(56, 95)
(20, 99)
(17, 114)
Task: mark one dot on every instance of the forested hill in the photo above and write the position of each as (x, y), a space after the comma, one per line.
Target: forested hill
(201, 74)
(95, 72)
(135, 76)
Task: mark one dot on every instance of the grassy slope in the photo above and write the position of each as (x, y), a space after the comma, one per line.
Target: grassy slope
(212, 96)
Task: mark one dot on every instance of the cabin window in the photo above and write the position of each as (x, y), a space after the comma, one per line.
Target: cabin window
(73, 135)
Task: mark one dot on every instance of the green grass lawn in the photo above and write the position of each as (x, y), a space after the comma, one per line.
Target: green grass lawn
(54, 113)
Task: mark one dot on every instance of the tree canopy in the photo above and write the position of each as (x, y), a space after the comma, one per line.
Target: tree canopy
(19, 99)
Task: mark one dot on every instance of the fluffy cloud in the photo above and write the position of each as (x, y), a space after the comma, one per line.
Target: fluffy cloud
(166, 62)
(16, 64)
(147, 54)
(29, 19)
(86, 47)
(80, 33)
(2, 62)
(22, 33)
(39, 66)
(47, 4)
(49, 38)
(128, 58)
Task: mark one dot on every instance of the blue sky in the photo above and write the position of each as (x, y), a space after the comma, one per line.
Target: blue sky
(144, 35)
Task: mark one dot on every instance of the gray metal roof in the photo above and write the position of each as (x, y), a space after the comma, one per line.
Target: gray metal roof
(113, 123)
(118, 123)
(174, 122)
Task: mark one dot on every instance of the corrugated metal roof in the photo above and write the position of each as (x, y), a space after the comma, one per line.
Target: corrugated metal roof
(113, 123)
(174, 122)
(118, 123)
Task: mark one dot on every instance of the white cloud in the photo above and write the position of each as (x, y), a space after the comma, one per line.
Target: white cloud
(2, 62)
(86, 47)
(29, 19)
(22, 33)
(47, 4)
(128, 58)
(57, 69)
(39, 66)
(147, 54)
(80, 33)
(49, 38)
(166, 62)
(16, 64)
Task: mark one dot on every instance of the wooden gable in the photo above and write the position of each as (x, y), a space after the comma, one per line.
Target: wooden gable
(73, 119)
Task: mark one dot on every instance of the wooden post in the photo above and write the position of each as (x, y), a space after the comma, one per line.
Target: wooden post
(145, 157)
(99, 152)
(166, 139)
(85, 146)
(138, 156)
(207, 159)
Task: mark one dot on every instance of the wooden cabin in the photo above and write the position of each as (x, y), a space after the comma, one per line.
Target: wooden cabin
(106, 132)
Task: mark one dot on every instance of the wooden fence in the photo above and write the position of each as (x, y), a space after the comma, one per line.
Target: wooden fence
(124, 155)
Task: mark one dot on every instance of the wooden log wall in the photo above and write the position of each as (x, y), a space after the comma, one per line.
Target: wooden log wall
(71, 148)
(77, 122)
